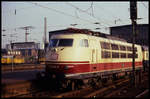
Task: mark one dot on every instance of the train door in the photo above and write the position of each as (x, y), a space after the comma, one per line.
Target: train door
(93, 66)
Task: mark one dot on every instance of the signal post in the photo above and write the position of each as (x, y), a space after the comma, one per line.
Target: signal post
(133, 16)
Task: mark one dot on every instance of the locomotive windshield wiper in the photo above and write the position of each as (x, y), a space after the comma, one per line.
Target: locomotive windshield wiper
(56, 49)
(61, 49)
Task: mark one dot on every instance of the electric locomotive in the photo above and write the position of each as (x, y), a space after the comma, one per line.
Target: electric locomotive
(76, 57)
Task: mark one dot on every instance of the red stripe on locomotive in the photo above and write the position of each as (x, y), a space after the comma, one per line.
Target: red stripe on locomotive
(82, 68)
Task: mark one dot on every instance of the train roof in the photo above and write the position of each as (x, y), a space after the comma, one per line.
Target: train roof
(86, 32)
(79, 35)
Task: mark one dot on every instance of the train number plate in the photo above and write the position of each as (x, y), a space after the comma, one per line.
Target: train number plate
(54, 56)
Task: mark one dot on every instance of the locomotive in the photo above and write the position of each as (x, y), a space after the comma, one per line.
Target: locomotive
(76, 58)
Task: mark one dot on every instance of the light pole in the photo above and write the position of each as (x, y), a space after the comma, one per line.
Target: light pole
(26, 28)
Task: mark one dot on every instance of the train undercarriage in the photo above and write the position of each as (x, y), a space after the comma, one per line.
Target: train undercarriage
(95, 80)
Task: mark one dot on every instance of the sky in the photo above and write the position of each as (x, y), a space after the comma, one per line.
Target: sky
(62, 15)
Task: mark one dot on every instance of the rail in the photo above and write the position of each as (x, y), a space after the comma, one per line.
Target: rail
(30, 88)
(22, 67)
(88, 92)
(143, 93)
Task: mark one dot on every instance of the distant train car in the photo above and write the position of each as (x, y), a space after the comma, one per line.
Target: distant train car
(19, 60)
(6, 59)
(3, 60)
(9, 59)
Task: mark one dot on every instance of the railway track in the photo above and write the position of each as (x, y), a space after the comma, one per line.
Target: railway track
(15, 89)
(142, 93)
(119, 88)
(126, 91)
(90, 92)
(6, 68)
(22, 88)
(31, 89)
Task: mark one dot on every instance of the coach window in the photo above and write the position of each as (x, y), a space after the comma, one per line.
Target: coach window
(114, 47)
(123, 55)
(129, 48)
(105, 54)
(105, 45)
(129, 55)
(115, 55)
(84, 43)
(122, 48)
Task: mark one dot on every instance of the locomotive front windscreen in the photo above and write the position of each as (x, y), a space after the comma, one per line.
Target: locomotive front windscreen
(60, 42)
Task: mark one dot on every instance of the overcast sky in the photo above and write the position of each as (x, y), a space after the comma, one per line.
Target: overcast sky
(60, 15)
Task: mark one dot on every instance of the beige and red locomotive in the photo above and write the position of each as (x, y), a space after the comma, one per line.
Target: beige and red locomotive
(75, 54)
(79, 56)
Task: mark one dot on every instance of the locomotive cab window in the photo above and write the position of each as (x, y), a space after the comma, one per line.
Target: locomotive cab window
(84, 43)
(65, 42)
(53, 42)
(60, 42)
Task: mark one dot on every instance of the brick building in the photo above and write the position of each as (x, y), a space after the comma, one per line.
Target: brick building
(125, 32)
(28, 50)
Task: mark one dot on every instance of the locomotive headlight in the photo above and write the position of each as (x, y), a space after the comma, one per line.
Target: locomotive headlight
(67, 67)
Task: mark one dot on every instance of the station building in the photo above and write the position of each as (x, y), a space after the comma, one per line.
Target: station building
(28, 50)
